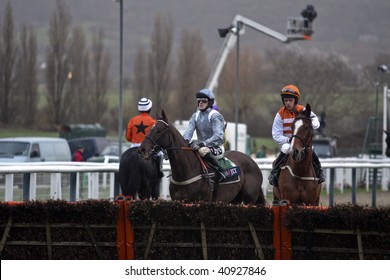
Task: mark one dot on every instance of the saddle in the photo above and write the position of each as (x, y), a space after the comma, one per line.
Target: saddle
(232, 169)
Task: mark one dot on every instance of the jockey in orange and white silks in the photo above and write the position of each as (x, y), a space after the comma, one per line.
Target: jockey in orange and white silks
(282, 132)
(281, 128)
(209, 125)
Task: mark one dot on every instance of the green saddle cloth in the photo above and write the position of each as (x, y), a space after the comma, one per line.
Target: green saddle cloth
(226, 163)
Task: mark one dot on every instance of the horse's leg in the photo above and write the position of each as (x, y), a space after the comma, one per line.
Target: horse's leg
(229, 192)
(318, 193)
(289, 191)
(155, 181)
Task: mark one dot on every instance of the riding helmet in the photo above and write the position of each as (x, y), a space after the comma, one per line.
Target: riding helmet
(144, 105)
(290, 91)
(206, 93)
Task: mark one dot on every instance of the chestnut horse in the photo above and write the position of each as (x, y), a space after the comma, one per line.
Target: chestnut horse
(297, 180)
(191, 181)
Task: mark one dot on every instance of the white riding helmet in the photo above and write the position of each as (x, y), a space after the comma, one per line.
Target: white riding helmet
(144, 105)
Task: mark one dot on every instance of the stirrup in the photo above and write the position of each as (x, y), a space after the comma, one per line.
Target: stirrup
(222, 175)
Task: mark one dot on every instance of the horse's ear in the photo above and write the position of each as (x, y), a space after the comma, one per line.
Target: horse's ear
(387, 133)
(307, 110)
(164, 117)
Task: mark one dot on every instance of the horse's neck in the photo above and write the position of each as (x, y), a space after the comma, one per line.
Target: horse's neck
(303, 167)
(184, 162)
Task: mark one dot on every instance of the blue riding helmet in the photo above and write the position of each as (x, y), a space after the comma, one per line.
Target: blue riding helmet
(206, 93)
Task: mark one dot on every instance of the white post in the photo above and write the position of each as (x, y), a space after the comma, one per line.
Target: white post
(33, 186)
(78, 186)
(94, 185)
(9, 187)
(55, 186)
(385, 171)
(112, 184)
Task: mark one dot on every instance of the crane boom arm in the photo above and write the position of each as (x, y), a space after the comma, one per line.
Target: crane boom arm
(231, 39)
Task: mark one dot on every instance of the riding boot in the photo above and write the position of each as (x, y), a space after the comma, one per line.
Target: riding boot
(278, 162)
(317, 168)
(223, 174)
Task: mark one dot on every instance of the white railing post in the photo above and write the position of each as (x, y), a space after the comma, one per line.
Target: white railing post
(112, 184)
(33, 186)
(55, 186)
(9, 187)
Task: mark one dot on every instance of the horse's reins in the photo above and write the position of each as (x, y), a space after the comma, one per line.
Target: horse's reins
(305, 148)
(156, 148)
(304, 143)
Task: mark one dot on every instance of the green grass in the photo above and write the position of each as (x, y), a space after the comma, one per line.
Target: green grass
(15, 132)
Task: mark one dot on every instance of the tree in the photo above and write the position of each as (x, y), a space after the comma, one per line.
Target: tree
(251, 77)
(192, 70)
(8, 53)
(140, 84)
(329, 84)
(58, 64)
(79, 85)
(159, 64)
(100, 65)
(26, 89)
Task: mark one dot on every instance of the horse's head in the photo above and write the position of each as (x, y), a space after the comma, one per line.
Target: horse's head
(157, 139)
(302, 137)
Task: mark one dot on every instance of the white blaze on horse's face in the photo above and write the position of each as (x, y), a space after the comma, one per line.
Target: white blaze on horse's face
(298, 125)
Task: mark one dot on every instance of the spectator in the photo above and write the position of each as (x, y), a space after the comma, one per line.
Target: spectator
(79, 153)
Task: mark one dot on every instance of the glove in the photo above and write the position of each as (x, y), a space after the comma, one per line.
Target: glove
(196, 145)
(289, 140)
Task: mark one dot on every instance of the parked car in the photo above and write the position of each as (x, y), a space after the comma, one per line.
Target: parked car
(325, 147)
(93, 146)
(110, 153)
(31, 149)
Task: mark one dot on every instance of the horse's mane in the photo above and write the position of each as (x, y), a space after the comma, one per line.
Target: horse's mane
(173, 129)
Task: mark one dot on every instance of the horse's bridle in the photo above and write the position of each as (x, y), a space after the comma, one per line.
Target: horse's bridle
(303, 141)
(156, 148)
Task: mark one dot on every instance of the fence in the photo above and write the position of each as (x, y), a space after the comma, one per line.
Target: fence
(75, 181)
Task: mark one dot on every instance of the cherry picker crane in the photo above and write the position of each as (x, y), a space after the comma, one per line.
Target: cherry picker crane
(297, 29)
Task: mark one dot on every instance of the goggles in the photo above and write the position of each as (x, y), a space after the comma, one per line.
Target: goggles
(202, 100)
(288, 90)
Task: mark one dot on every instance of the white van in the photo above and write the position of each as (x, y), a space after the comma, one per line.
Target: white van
(31, 149)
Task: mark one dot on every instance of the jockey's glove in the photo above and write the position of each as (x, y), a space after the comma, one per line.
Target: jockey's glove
(196, 146)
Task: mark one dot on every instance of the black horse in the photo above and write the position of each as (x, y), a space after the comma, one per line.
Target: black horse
(139, 176)
(387, 143)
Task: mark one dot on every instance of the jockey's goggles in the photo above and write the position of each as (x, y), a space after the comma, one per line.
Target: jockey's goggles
(288, 90)
(202, 100)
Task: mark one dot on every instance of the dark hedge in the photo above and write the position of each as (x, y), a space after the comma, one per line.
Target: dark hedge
(227, 233)
(372, 223)
(33, 215)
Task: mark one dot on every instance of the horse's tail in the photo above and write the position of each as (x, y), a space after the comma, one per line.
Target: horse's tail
(261, 198)
(129, 175)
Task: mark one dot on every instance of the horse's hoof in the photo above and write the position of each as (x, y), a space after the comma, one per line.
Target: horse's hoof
(275, 203)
